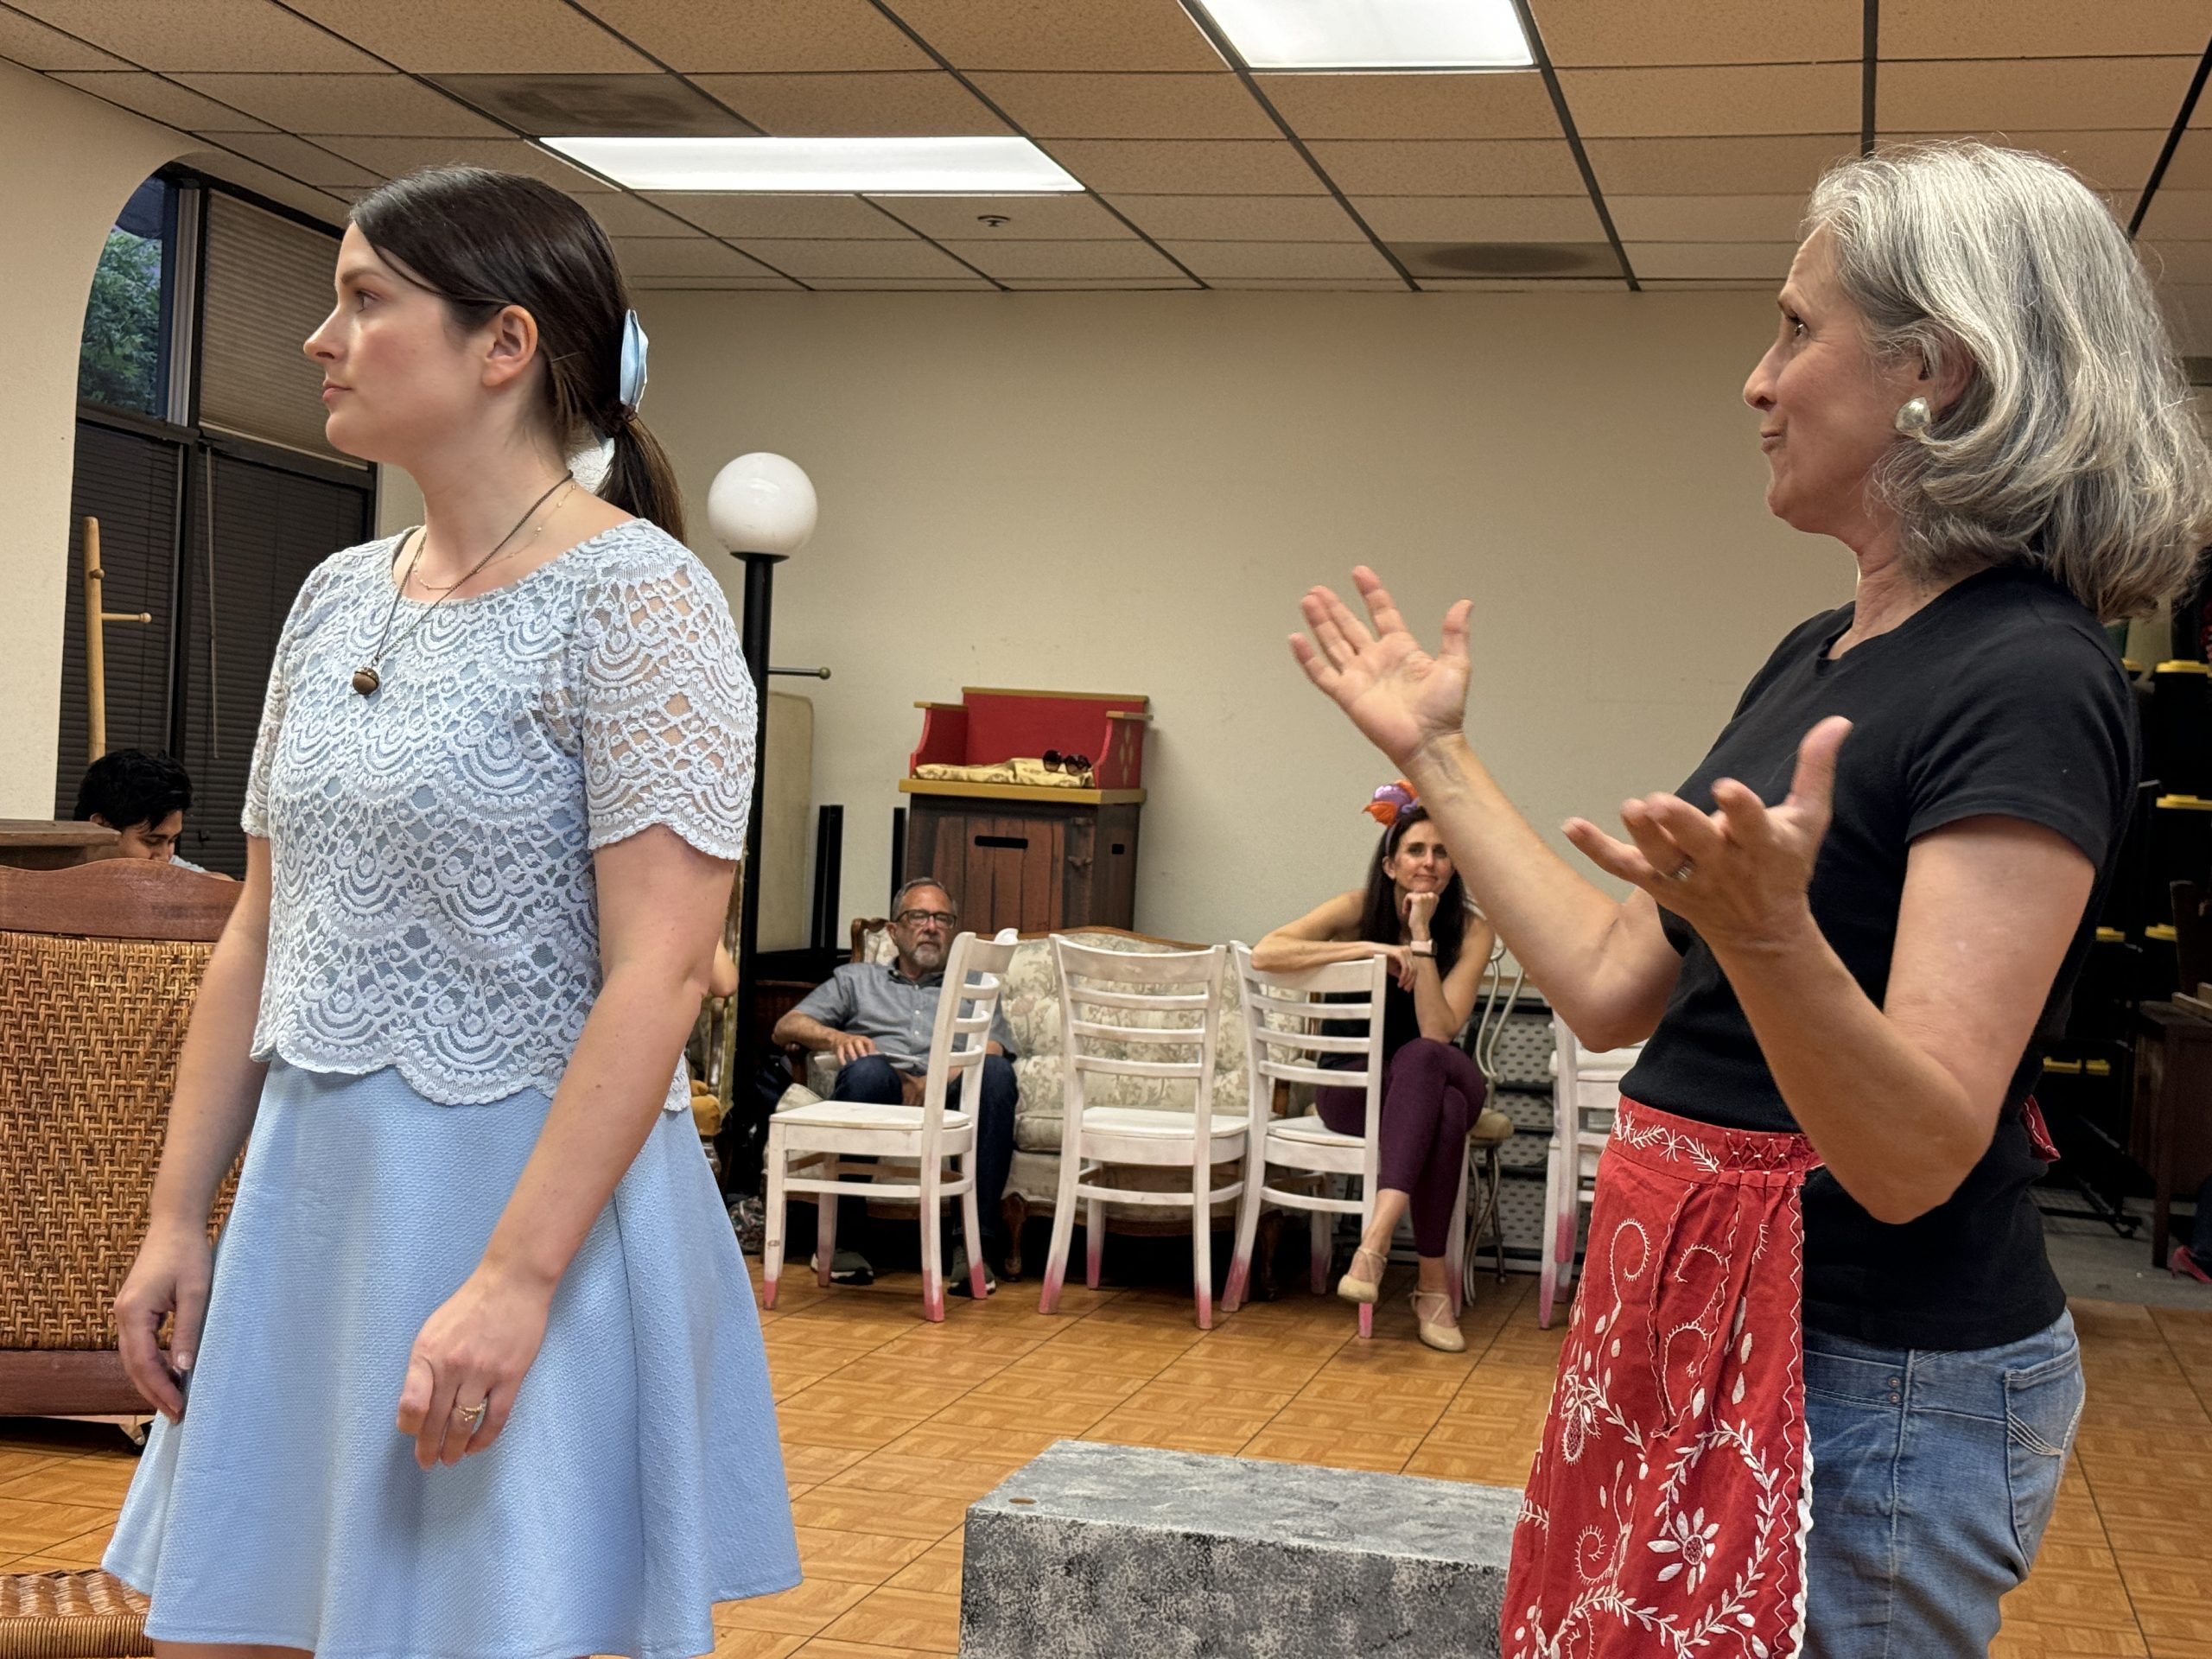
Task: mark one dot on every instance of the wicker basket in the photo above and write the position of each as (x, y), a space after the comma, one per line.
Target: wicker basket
(70, 1616)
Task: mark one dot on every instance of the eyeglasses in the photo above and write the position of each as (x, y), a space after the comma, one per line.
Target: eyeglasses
(925, 919)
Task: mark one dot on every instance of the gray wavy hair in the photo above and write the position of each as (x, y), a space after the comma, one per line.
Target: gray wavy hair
(2074, 443)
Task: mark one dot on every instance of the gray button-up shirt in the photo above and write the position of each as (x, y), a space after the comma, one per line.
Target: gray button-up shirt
(873, 1000)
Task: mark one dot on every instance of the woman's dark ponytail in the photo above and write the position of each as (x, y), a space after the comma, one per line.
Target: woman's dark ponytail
(483, 240)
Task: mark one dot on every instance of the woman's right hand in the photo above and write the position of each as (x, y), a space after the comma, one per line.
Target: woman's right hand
(1399, 696)
(171, 1276)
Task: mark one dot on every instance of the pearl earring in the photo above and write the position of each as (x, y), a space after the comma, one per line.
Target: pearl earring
(1914, 416)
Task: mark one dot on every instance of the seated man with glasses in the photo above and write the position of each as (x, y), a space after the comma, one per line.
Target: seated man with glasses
(877, 1018)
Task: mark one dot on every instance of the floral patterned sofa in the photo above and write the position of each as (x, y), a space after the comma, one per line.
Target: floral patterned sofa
(1032, 1011)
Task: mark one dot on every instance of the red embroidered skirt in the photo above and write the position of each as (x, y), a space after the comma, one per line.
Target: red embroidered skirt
(1668, 1508)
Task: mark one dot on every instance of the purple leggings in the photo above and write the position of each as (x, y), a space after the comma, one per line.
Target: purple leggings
(1431, 1093)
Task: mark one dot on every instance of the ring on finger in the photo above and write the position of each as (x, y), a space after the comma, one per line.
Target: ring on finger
(472, 1415)
(1689, 869)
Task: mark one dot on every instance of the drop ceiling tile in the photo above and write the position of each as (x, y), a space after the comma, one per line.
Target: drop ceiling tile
(2041, 29)
(620, 213)
(885, 103)
(360, 105)
(1579, 34)
(763, 36)
(1521, 285)
(1189, 166)
(801, 218)
(808, 260)
(1091, 34)
(1066, 105)
(2178, 215)
(594, 105)
(1716, 167)
(763, 284)
(2107, 160)
(1260, 219)
(2178, 264)
(1707, 219)
(297, 158)
(1450, 167)
(1705, 102)
(390, 157)
(162, 100)
(1171, 284)
(1311, 285)
(1226, 260)
(1481, 218)
(2189, 315)
(32, 44)
(662, 256)
(1507, 104)
(1738, 259)
(1126, 258)
(514, 37)
(1707, 284)
(1027, 218)
(2191, 169)
(220, 35)
(2047, 93)
(323, 205)
(903, 284)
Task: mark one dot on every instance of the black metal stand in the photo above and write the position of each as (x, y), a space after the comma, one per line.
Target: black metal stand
(752, 635)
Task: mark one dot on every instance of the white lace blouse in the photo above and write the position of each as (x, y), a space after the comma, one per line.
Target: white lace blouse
(433, 905)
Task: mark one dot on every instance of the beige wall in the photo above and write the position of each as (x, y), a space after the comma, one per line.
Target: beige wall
(1128, 492)
(68, 164)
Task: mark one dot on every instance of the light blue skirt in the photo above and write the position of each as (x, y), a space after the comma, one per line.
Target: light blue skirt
(638, 1481)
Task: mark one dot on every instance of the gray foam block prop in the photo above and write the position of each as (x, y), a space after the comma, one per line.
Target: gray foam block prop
(1106, 1552)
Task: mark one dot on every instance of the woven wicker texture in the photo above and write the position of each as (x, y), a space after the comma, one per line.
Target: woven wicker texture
(89, 1035)
(70, 1616)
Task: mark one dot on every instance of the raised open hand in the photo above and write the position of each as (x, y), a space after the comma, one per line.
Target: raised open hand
(1401, 697)
(1739, 873)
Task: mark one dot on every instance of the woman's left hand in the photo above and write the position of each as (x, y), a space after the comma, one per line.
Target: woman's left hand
(474, 1350)
(1739, 875)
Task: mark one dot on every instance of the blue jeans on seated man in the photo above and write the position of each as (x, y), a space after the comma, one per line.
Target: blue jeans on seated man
(1934, 1476)
(874, 1078)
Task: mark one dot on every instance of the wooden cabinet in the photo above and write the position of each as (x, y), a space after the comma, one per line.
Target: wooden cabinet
(2170, 1133)
(1031, 859)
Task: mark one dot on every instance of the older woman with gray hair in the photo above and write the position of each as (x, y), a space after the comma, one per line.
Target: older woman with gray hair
(1820, 1381)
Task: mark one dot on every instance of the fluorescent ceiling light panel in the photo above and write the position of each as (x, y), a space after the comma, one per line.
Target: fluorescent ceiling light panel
(888, 167)
(1373, 34)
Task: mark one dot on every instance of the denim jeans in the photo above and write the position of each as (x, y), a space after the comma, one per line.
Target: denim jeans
(872, 1078)
(1934, 1475)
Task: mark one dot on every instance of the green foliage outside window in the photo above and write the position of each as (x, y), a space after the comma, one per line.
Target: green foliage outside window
(119, 363)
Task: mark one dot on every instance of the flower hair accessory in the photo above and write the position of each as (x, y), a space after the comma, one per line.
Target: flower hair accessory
(1389, 804)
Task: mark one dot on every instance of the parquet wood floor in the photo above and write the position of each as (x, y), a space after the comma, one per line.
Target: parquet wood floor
(891, 1426)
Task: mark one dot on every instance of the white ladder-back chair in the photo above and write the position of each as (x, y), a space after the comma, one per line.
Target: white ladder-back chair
(1154, 1016)
(1585, 1093)
(809, 1146)
(1285, 1042)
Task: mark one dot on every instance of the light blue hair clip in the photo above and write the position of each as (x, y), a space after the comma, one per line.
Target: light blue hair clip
(633, 390)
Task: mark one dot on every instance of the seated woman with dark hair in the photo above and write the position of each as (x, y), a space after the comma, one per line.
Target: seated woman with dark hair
(1413, 910)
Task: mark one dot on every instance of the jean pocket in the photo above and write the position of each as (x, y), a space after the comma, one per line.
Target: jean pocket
(2042, 1409)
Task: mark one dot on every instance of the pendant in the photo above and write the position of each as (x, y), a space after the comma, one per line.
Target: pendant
(365, 680)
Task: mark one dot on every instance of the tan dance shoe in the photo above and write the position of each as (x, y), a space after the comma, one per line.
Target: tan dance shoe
(1354, 1288)
(1443, 1332)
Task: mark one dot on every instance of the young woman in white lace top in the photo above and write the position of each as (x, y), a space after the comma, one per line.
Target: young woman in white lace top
(475, 1370)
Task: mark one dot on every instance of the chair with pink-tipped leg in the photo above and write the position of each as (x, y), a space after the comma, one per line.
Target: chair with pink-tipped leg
(1285, 1042)
(809, 1146)
(1153, 1016)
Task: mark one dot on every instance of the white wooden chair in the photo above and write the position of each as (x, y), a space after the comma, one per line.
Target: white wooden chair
(1284, 1043)
(1585, 1093)
(809, 1146)
(1114, 1005)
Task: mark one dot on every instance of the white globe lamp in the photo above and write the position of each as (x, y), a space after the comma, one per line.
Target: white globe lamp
(761, 505)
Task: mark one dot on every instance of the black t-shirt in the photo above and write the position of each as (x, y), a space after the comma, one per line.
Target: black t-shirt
(2000, 698)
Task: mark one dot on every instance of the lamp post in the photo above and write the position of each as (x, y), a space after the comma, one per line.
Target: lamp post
(761, 507)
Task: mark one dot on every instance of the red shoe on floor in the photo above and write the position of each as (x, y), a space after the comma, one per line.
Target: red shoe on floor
(2183, 1265)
